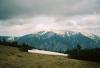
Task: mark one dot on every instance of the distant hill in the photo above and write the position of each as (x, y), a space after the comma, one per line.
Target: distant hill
(8, 38)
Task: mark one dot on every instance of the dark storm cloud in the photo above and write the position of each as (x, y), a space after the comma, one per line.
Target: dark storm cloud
(22, 8)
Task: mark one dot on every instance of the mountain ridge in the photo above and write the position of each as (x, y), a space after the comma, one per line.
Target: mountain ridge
(55, 41)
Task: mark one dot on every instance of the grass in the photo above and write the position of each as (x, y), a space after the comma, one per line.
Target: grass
(12, 57)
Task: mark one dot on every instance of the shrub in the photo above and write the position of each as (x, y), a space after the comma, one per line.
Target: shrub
(25, 47)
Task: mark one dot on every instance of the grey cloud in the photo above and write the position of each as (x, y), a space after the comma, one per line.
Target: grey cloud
(12, 22)
(68, 14)
(17, 8)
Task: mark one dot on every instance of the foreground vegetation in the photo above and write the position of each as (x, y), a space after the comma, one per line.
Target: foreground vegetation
(12, 57)
(85, 54)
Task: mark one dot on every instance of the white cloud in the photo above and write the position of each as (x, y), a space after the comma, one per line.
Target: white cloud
(85, 23)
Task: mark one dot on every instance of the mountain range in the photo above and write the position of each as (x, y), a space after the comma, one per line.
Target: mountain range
(60, 42)
(53, 41)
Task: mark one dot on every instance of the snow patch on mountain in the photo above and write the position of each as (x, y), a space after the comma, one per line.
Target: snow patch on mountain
(89, 35)
(11, 38)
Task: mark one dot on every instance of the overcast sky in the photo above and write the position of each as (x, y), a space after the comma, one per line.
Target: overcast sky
(20, 17)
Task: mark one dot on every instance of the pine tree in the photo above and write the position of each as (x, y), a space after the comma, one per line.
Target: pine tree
(78, 48)
(25, 47)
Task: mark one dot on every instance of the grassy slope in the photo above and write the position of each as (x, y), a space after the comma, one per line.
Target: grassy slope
(11, 57)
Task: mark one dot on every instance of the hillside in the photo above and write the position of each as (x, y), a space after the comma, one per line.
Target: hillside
(11, 57)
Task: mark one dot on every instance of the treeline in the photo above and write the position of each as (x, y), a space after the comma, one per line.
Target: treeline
(84, 54)
(23, 47)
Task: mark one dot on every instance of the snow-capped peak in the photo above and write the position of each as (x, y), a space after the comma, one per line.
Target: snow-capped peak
(90, 35)
(42, 32)
(48, 34)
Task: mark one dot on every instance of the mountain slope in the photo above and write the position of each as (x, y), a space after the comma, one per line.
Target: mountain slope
(60, 42)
